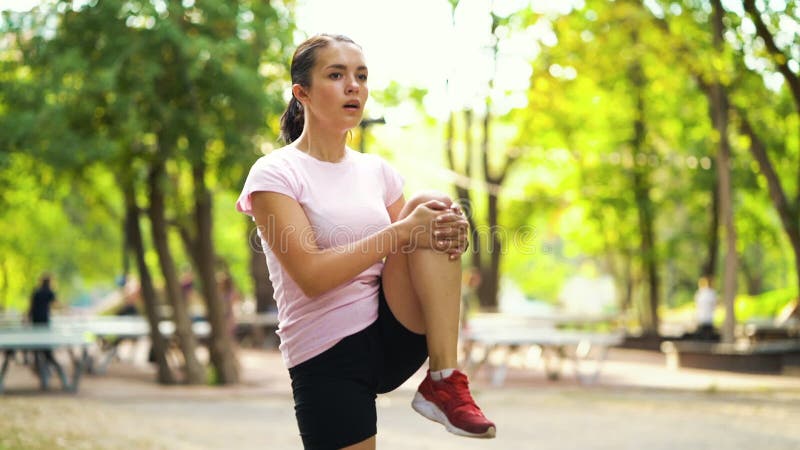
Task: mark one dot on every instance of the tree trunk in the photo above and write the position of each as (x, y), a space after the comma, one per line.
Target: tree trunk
(753, 272)
(463, 192)
(464, 196)
(630, 283)
(3, 286)
(195, 372)
(262, 286)
(490, 282)
(461, 185)
(710, 265)
(490, 276)
(220, 344)
(644, 205)
(719, 106)
(789, 212)
(259, 272)
(134, 236)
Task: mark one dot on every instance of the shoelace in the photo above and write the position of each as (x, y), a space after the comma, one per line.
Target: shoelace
(459, 393)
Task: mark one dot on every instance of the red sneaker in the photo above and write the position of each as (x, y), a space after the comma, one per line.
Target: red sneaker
(449, 402)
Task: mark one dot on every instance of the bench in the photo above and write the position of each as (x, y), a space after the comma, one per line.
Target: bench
(767, 331)
(742, 356)
(499, 332)
(42, 340)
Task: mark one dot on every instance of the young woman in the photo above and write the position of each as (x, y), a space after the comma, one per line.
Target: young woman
(367, 283)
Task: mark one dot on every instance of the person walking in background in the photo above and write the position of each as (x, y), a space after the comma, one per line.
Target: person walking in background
(367, 284)
(42, 300)
(230, 298)
(131, 296)
(705, 300)
(41, 303)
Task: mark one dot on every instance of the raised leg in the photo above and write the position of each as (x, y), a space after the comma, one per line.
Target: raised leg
(423, 290)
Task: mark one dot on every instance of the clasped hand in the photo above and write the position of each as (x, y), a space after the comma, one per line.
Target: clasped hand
(440, 227)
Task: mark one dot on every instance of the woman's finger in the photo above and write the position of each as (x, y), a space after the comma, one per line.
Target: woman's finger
(448, 216)
(450, 230)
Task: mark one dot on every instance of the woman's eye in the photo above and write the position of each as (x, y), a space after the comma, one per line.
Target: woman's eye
(362, 77)
(335, 76)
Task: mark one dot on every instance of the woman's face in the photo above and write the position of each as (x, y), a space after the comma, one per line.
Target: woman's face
(338, 88)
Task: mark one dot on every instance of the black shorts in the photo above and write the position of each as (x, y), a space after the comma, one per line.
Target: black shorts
(334, 392)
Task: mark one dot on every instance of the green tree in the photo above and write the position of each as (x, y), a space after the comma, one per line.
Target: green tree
(163, 93)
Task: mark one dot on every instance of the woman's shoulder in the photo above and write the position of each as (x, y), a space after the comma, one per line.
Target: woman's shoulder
(278, 157)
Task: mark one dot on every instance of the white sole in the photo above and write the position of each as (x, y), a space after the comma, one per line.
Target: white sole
(431, 412)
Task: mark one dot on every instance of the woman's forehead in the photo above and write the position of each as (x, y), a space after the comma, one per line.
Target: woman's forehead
(341, 53)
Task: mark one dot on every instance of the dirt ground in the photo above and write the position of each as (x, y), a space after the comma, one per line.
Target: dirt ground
(637, 403)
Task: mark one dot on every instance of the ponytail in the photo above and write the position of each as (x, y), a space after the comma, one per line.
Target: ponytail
(292, 121)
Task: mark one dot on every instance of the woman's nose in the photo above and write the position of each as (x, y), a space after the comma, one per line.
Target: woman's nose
(352, 86)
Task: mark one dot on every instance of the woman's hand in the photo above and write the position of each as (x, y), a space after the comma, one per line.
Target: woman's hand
(451, 231)
(437, 226)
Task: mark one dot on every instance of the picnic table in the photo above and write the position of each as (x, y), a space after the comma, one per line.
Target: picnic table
(491, 333)
(110, 331)
(93, 341)
(42, 340)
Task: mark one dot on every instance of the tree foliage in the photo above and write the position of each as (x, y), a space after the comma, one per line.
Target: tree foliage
(614, 149)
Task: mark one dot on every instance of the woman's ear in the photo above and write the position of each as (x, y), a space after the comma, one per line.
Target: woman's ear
(299, 93)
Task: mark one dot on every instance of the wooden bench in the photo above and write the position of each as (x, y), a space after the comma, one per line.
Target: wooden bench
(42, 340)
(499, 332)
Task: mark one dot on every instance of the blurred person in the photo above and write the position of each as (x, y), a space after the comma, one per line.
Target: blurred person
(230, 298)
(194, 303)
(131, 294)
(43, 299)
(367, 284)
(705, 300)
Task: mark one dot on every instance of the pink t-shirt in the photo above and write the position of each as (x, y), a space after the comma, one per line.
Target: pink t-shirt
(344, 202)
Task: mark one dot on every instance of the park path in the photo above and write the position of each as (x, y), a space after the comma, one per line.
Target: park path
(637, 403)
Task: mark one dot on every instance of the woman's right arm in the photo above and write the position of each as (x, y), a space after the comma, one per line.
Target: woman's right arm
(287, 231)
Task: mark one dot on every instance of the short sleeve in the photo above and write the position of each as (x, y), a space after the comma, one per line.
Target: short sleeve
(270, 175)
(393, 183)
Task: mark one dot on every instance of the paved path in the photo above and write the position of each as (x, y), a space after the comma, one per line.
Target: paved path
(637, 404)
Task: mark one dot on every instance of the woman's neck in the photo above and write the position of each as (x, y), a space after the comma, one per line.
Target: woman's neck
(327, 147)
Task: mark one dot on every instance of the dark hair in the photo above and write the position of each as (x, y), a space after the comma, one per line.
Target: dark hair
(305, 56)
